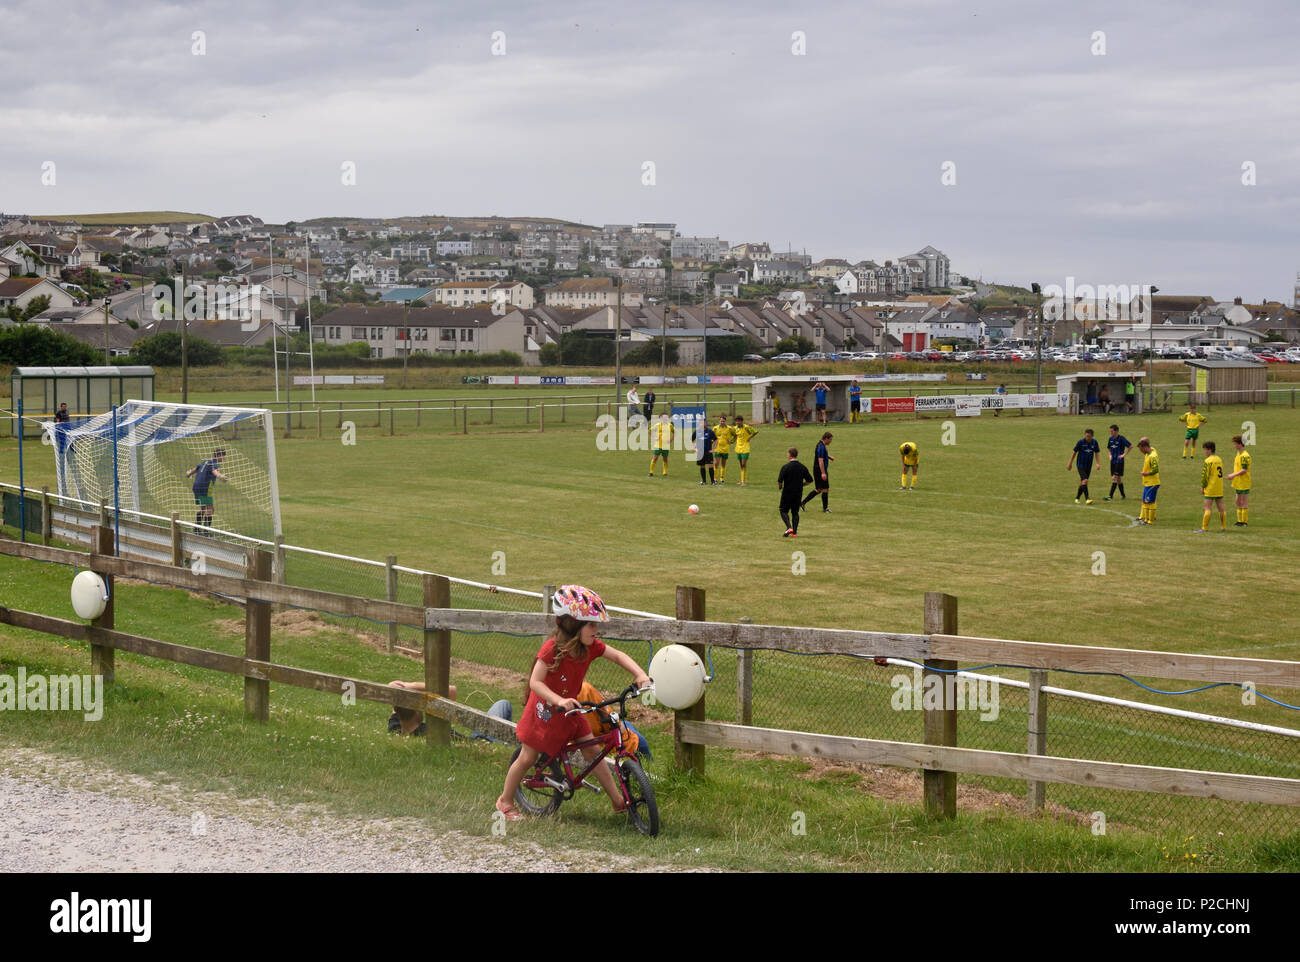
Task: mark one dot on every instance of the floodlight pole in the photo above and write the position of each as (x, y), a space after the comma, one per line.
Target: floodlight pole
(288, 356)
(618, 338)
(1038, 349)
(663, 345)
(107, 361)
(1151, 351)
(185, 342)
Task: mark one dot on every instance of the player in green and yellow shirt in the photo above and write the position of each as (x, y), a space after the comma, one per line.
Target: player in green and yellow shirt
(911, 459)
(1212, 488)
(723, 449)
(1240, 478)
(740, 435)
(661, 440)
(1193, 422)
(1150, 481)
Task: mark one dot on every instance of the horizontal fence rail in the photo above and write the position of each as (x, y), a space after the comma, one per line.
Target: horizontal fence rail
(972, 761)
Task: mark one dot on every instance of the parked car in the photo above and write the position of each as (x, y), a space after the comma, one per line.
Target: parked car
(816, 356)
(787, 356)
(752, 357)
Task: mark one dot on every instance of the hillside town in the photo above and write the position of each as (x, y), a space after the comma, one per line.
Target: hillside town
(456, 285)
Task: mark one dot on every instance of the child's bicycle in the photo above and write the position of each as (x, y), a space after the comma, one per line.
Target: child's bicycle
(552, 780)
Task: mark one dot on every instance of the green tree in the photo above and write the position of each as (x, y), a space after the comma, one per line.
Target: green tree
(650, 353)
(39, 346)
(796, 343)
(164, 350)
(34, 306)
(550, 354)
(225, 265)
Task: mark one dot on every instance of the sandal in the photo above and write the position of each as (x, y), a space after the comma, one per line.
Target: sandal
(511, 813)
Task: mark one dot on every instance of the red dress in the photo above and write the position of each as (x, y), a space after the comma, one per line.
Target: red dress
(547, 728)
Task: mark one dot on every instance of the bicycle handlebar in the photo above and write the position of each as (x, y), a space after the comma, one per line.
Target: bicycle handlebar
(631, 689)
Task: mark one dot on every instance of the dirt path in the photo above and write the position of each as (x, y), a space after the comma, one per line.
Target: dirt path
(59, 815)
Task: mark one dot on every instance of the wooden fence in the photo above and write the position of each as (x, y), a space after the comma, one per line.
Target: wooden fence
(939, 649)
(259, 593)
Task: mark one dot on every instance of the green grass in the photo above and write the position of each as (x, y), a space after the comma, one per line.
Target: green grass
(129, 217)
(993, 522)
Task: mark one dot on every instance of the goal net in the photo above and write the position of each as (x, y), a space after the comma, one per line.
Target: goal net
(214, 466)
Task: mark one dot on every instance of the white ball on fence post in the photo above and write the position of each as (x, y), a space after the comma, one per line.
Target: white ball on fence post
(89, 595)
(678, 676)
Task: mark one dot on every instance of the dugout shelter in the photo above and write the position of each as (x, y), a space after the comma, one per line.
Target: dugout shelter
(1076, 385)
(87, 390)
(784, 390)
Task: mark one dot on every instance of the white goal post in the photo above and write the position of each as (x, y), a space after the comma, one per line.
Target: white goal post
(214, 466)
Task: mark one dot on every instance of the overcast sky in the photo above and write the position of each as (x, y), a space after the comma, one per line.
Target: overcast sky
(1117, 167)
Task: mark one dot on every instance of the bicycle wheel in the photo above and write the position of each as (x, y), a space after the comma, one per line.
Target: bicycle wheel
(538, 800)
(642, 811)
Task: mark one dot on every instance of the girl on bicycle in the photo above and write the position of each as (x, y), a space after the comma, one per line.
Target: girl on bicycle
(556, 679)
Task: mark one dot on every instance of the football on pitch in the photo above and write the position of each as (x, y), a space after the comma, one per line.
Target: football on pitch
(694, 509)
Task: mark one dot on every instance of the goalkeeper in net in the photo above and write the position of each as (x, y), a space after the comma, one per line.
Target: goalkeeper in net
(204, 474)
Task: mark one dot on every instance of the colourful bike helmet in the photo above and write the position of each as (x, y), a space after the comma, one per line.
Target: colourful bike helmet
(580, 603)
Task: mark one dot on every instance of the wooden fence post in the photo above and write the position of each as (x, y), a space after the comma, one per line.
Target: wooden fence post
(437, 658)
(392, 419)
(690, 607)
(178, 543)
(464, 419)
(541, 417)
(390, 592)
(564, 403)
(379, 414)
(46, 522)
(102, 657)
(257, 638)
(492, 411)
(418, 406)
(340, 415)
(940, 723)
(1036, 794)
(548, 591)
(745, 681)
(320, 424)
(278, 574)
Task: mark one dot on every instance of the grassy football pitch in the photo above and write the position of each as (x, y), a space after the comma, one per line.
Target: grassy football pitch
(992, 521)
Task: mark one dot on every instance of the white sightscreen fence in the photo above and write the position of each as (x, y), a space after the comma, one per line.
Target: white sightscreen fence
(167, 457)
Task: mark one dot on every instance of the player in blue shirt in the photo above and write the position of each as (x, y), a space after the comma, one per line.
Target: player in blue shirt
(204, 473)
(1119, 447)
(819, 394)
(821, 474)
(855, 402)
(1086, 448)
(706, 443)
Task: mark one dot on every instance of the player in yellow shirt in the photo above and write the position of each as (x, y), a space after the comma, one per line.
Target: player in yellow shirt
(723, 449)
(1240, 478)
(1193, 422)
(740, 435)
(1150, 481)
(661, 440)
(911, 459)
(1212, 488)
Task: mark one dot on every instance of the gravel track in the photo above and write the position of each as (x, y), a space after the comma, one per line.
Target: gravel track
(61, 815)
